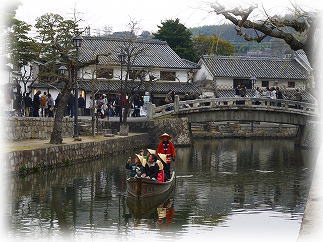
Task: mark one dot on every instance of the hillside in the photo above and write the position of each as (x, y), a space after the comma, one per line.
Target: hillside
(228, 32)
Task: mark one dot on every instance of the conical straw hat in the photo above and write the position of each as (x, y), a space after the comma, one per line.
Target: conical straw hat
(163, 157)
(141, 158)
(165, 135)
(153, 152)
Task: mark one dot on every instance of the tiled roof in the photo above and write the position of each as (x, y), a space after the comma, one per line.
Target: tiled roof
(155, 53)
(114, 86)
(259, 67)
(302, 57)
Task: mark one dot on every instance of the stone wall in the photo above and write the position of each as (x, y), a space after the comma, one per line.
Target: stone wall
(24, 161)
(310, 137)
(236, 129)
(178, 128)
(18, 128)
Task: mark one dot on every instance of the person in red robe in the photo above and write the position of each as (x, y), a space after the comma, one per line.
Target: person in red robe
(166, 147)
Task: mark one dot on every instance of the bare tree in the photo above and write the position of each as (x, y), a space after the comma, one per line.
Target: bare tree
(297, 28)
(134, 77)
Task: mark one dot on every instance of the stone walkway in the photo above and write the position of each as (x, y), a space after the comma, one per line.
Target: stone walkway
(37, 143)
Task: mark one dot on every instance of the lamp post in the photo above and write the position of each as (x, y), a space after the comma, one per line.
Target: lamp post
(62, 70)
(121, 57)
(77, 42)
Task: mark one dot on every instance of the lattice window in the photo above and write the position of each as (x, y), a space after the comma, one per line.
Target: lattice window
(168, 75)
(291, 84)
(105, 73)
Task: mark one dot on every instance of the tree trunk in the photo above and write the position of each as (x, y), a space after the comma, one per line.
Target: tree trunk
(56, 136)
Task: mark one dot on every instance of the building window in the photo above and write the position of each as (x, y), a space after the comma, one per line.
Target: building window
(265, 84)
(291, 84)
(133, 74)
(242, 82)
(105, 73)
(168, 75)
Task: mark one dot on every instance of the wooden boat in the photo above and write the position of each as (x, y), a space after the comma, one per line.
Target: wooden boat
(144, 187)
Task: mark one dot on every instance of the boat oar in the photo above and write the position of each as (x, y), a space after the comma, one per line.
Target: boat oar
(187, 176)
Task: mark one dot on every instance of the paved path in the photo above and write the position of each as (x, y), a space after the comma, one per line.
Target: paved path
(38, 143)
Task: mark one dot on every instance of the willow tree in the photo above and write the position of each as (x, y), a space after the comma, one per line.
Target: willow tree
(297, 27)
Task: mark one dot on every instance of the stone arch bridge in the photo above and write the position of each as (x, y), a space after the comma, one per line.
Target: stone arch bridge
(242, 109)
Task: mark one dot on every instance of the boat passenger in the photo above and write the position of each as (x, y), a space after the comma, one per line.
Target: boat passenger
(160, 162)
(142, 152)
(166, 147)
(149, 152)
(152, 167)
(140, 166)
(136, 168)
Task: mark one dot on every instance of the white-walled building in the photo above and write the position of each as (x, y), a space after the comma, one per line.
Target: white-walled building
(229, 71)
(170, 72)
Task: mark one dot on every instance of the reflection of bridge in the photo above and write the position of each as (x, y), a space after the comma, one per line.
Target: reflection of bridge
(240, 109)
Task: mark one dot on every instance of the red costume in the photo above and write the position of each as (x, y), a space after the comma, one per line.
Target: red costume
(169, 151)
(161, 176)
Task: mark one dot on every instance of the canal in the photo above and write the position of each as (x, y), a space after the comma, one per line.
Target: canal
(226, 188)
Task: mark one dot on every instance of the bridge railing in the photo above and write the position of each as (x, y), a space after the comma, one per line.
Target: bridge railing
(229, 103)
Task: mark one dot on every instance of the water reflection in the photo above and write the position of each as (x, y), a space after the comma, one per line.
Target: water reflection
(219, 183)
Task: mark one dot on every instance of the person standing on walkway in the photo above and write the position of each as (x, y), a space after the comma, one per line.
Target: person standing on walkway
(166, 146)
(43, 105)
(28, 103)
(81, 105)
(298, 98)
(50, 105)
(279, 95)
(237, 91)
(36, 104)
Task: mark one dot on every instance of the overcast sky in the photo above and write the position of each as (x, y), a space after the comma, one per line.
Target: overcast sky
(149, 13)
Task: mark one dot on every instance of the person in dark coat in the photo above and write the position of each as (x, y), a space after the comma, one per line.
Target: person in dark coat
(36, 104)
(152, 167)
(81, 104)
(28, 103)
(136, 106)
(58, 99)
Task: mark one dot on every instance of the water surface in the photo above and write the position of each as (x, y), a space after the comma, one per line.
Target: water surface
(228, 188)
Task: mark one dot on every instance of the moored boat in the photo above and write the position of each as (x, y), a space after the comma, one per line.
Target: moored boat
(144, 187)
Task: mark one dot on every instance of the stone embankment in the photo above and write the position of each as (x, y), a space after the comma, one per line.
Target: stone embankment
(243, 130)
(179, 128)
(19, 128)
(24, 157)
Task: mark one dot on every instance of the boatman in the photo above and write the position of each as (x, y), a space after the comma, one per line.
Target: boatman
(166, 147)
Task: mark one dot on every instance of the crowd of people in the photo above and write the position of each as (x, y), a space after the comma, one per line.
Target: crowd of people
(268, 92)
(43, 105)
(40, 105)
(155, 164)
(110, 106)
(103, 105)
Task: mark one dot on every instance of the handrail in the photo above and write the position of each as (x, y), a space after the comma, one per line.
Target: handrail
(236, 102)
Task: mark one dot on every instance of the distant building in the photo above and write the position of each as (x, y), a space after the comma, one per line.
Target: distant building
(226, 72)
(169, 71)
